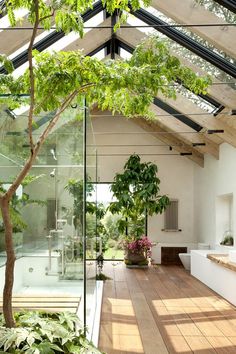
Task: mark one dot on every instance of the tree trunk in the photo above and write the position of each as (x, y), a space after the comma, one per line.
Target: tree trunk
(9, 272)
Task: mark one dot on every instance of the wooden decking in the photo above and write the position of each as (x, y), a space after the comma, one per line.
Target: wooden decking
(163, 310)
(48, 303)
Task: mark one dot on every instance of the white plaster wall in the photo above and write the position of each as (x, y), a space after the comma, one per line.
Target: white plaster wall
(175, 173)
(217, 178)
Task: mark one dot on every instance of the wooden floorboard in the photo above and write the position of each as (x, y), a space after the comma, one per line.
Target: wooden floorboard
(163, 309)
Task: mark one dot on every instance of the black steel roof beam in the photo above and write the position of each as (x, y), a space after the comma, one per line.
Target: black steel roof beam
(228, 4)
(187, 42)
(163, 105)
(105, 45)
(113, 35)
(177, 114)
(124, 46)
(52, 38)
(205, 97)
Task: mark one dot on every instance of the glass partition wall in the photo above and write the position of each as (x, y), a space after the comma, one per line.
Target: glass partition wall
(56, 255)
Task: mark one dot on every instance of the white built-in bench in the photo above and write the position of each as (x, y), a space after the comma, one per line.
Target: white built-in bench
(214, 273)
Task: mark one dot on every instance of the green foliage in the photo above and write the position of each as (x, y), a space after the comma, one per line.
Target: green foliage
(45, 333)
(76, 189)
(102, 277)
(137, 192)
(110, 222)
(6, 63)
(18, 202)
(228, 240)
(127, 87)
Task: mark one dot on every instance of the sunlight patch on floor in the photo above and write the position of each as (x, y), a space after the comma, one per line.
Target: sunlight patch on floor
(197, 343)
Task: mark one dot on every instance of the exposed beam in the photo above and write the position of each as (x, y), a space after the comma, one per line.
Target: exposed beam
(206, 120)
(48, 40)
(147, 126)
(92, 39)
(96, 38)
(227, 118)
(188, 11)
(169, 139)
(170, 124)
(186, 133)
(187, 42)
(177, 114)
(223, 94)
(11, 41)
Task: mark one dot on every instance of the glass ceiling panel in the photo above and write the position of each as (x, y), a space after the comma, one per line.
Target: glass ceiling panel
(218, 10)
(199, 101)
(61, 44)
(192, 35)
(185, 53)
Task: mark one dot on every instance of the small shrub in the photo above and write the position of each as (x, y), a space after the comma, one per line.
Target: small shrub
(45, 333)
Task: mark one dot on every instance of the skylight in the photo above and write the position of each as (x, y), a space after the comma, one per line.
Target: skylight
(218, 10)
(199, 101)
(192, 35)
(181, 51)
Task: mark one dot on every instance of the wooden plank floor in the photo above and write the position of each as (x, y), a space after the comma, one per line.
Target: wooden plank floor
(163, 309)
(51, 303)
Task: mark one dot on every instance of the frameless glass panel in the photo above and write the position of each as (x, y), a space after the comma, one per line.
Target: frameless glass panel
(91, 230)
(49, 245)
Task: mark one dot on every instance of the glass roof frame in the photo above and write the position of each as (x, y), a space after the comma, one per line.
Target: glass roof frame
(229, 4)
(146, 17)
(186, 42)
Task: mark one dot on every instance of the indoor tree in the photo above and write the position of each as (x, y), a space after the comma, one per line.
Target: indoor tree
(54, 80)
(137, 194)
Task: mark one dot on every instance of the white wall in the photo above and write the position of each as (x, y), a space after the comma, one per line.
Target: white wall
(212, 183)
(175, 173)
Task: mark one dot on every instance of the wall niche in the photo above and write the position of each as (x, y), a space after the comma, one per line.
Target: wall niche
(224, 219)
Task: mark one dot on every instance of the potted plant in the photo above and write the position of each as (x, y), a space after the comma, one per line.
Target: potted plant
(137, 195)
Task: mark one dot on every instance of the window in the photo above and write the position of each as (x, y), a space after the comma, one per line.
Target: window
(171, 216)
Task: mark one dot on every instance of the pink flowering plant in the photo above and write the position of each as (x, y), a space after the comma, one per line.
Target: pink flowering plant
(138, 246)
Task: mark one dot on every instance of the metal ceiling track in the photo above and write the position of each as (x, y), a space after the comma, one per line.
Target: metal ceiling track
(229, 4)
(187, 42)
